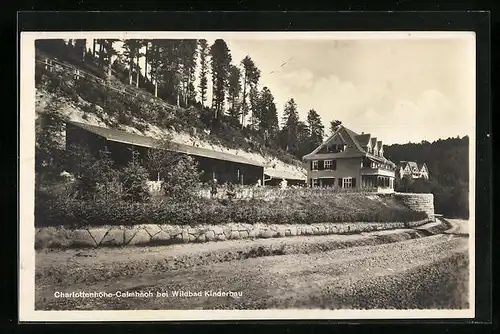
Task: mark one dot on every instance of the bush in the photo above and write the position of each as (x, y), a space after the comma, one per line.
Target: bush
(134, 178)
(56, 210)
(182, 178)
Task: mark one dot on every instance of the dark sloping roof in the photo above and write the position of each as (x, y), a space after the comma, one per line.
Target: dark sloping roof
(144, 141)
(420, 166)
(352, 136)
(381, 159)
(379, 145)
(363, 139)
(358, 141)
(413, 164)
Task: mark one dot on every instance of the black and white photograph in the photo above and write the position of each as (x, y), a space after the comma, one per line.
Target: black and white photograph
(244, 175)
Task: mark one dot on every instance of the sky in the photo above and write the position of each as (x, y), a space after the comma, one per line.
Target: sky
(399, 90)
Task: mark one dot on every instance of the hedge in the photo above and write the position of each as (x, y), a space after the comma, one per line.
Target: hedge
(54, 211)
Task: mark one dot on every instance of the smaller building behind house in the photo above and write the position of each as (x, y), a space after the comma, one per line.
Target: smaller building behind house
(413, 170)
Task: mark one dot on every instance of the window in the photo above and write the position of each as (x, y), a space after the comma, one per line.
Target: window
(314, 165)
(328, 164)
(347, 182)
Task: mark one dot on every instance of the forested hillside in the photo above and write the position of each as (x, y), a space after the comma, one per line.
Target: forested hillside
(448, 163)
(241, 114)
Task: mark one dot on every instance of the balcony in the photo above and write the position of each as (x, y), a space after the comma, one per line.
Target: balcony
(377, 171)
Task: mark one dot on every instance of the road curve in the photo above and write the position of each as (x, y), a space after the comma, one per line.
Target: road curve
(429, 272)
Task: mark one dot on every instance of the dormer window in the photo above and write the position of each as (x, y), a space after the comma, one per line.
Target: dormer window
(337, 148)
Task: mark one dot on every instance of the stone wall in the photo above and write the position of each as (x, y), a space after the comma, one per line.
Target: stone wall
(417, 202)
(152, 234)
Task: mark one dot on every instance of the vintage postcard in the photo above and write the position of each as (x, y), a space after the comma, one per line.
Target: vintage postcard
(227, 176)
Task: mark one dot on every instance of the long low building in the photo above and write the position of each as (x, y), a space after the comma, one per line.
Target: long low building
(224, 167)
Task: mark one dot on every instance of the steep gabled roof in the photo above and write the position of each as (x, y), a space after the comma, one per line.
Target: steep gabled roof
(120, 136)
(379, 145)
(421, 166)
(413, 164)
(358, 150)
(363, 139)
(373, 142)
(348, 137)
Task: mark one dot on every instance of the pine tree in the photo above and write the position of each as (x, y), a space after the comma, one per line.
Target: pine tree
(251, 76)
(204, 53)
(220, 61)
(334, 125)
(171, 69)
(254, 103)
(109, 53)
(290, 123)
(316, 128)
(188, 54)
(303, 140)
(134, 179)
(145, 44)
(155, 60)
(131, 47)
(268, 116)
(234, 89)
(81, 48)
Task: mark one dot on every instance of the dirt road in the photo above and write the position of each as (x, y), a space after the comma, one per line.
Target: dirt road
(427, 272)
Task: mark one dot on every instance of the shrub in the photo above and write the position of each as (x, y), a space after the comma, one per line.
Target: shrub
(182, 178)
(54, 210)
(133, 179)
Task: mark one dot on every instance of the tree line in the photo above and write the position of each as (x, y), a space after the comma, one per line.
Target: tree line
(169, 70)
(448, 164)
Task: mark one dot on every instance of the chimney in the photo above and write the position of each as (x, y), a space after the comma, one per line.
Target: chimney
(362, 133)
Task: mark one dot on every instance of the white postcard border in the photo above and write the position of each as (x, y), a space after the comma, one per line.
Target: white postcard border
(27, 312)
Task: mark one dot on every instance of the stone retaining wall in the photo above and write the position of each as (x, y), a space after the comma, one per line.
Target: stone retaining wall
(152, 234)
(417, 202)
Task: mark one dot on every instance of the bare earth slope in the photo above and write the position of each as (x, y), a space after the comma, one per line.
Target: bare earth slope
(75, 113)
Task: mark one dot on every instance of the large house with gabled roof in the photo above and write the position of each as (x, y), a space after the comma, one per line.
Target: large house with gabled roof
(350, 160)
(413, 170)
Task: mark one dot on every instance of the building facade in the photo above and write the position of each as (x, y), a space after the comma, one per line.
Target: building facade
(413, 170)
(350, 160)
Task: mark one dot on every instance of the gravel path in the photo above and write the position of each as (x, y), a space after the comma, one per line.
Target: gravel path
(67, 267)
(429, 272)
(459, 226)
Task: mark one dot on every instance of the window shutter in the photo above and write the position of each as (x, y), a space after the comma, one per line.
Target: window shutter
(321, 165)
(334, 164)
(311, 164)
(340, 182)
(354, 182)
